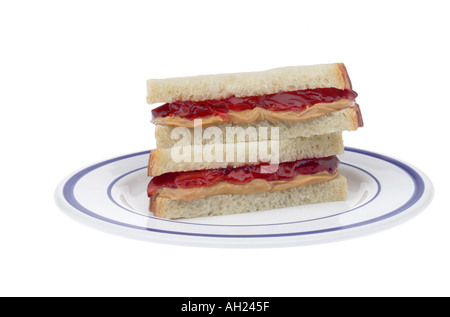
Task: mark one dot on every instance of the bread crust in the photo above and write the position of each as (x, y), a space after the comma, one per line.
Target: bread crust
(345, 78)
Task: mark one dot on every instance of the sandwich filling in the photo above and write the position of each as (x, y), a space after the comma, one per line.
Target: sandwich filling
(292, 105)
(243, 180)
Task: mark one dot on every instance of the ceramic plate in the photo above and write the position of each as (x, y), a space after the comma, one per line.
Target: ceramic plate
(382, 192)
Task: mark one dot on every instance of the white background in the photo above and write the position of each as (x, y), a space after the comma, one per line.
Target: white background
(72, 92)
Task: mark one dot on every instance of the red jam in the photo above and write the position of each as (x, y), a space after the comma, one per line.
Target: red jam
(242, 175)
(292, 100)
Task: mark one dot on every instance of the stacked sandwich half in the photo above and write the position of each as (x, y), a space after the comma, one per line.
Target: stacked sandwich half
(233, 143)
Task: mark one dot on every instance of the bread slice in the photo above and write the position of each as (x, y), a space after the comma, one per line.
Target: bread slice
(219, 86)
(334, 190)
(344, 120)
(165, 160)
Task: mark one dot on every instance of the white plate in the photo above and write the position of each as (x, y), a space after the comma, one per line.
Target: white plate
(111, 195)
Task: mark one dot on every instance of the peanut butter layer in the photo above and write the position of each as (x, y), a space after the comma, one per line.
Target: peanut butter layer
(259, 114)
(253, 187)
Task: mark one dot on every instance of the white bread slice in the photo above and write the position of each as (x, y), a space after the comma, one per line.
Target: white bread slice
(334, 190)
(343, 120)
(219, 86)
(162, 161)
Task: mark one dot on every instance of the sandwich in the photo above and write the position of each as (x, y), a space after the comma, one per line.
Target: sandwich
(243, 142)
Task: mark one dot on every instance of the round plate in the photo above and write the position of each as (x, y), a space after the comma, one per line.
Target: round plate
(382, 192)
